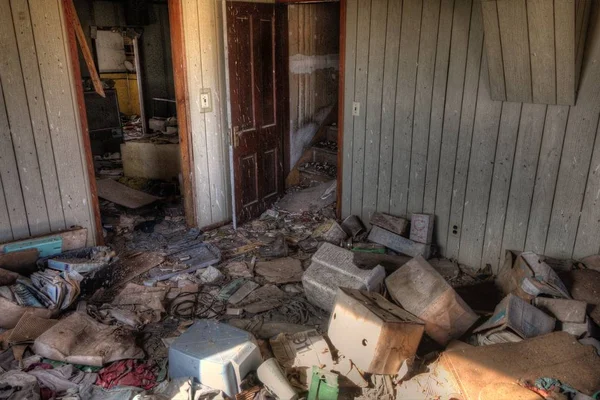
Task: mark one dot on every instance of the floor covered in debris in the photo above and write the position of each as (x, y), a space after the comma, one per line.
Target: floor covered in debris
(294, 304)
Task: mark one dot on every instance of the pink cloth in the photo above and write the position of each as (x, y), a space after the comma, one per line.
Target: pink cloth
(127, 373)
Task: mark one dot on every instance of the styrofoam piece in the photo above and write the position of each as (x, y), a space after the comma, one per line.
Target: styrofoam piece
(217, 355)
(333, 267)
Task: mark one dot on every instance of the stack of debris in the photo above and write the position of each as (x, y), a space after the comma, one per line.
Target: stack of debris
(295, 304)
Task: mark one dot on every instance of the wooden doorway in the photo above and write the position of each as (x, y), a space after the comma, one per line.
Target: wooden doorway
(255, 107)
(175, 18)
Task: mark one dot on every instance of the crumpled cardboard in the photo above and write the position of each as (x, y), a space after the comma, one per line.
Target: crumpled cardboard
(299, 352)
(422, 291)
(527, 275)
(12, 313)
(518, 316)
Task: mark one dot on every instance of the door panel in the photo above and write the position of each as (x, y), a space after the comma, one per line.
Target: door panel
(256, 132)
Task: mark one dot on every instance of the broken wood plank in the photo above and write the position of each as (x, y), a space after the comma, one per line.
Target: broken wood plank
(85, 50)
(123, 195)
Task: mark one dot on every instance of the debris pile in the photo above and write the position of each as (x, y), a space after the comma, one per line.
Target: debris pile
(295, 304)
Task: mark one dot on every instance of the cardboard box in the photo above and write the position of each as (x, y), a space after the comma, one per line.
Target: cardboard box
(398, 225)
(376, 335)
(527, 275)
(421, 228)
(399, 243)
(422, 291)
(516, 315)
(562, 309)
(333, 267)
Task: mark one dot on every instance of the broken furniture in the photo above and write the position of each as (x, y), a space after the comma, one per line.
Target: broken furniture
(333, 267)
(377, 335)
(217, 355)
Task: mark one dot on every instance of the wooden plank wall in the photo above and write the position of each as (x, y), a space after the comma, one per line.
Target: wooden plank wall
(313, 48)
(535, 48)
(203, 34)
(497, 175)
(43, 175)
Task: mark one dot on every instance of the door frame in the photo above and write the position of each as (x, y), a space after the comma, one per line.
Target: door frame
(182, 99)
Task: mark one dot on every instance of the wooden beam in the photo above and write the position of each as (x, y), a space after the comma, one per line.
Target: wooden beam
(182, 98)
(74, 59)
(73, 22)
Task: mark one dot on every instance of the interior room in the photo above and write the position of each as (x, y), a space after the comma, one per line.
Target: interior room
(133, 125)
(299, 199)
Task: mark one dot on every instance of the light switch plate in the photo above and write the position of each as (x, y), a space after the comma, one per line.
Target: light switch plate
(355, 109)
(205, 100)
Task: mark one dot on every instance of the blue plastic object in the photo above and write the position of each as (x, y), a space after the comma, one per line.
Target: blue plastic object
(46, 246)
(215, 354)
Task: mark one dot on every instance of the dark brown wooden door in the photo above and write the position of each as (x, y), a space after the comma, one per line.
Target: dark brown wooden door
(255, 125)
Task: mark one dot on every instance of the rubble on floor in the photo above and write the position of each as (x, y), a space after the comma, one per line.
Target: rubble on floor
(294, 304)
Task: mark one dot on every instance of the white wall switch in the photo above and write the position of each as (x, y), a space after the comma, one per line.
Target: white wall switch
(205, 100)
(355, 109)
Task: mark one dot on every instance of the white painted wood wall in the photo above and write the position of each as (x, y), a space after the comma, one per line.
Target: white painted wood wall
(43, 178)
(429, 139)
(203, 32)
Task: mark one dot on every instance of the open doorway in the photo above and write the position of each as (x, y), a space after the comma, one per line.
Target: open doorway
(283, 70)
(313, 75)
(133, 129)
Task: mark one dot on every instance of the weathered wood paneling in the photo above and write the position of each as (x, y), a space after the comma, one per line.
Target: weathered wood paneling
(363, 28)
(499, 175)
(423, 103)
(203, 36)
(452, 112)
(373, 109)
(512, 15)
(388, 109)
(465, 133)
(535, 48)
(410, 34)
(43, 174)
(349, 82)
